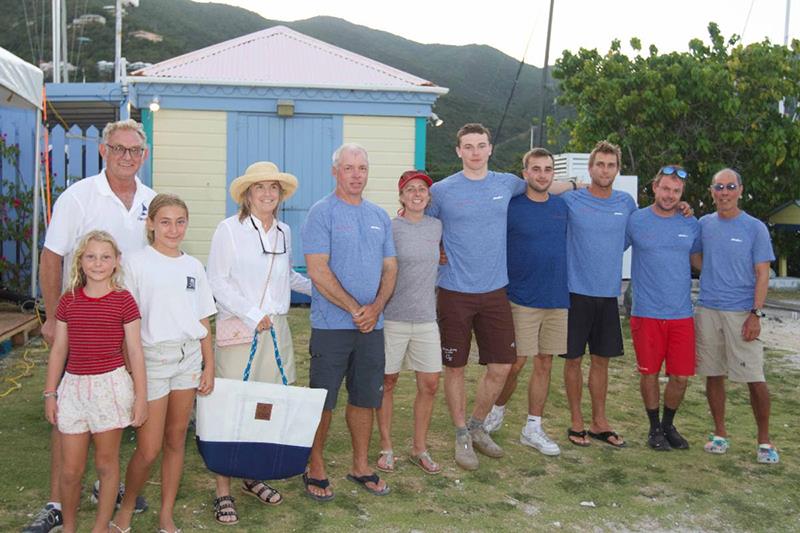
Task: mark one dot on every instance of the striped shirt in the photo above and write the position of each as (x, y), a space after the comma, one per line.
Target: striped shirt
(95, 329)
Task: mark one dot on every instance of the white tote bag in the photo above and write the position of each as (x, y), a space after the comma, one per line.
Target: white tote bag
(253, 430)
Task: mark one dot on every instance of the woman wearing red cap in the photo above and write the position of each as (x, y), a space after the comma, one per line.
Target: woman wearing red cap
(410, 330)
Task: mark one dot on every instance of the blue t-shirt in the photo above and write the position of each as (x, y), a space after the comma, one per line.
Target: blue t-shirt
(537, 253)
(661, 274)
(473, 215)
(356, 239)
(596, 241)
(731, 249)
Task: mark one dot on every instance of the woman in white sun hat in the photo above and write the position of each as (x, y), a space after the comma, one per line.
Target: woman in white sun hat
(251, 277)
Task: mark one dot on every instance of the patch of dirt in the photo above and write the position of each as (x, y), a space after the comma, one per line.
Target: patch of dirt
(782, 334)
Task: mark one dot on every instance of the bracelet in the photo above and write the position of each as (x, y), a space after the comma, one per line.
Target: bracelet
(49, 394)
(574, 185)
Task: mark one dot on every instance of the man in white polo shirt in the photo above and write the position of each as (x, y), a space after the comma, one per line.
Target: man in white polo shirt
(115, 201)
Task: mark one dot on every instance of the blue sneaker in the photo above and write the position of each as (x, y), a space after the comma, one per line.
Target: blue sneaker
(141, 503)
(768, 454)
(48, 519)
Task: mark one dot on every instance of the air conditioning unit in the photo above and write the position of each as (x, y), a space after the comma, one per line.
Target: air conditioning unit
(572, 165)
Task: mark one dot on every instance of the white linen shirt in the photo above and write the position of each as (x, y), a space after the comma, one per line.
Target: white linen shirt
(90, 204)
(238, 268)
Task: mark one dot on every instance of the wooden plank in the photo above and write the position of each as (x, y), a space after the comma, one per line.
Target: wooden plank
(18, 327)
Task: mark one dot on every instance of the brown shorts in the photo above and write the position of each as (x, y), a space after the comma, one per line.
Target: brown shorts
(488, 313)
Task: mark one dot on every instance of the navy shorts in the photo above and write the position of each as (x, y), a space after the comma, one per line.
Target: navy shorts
(347, 354)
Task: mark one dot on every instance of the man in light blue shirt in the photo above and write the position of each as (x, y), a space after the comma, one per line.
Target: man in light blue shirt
(737, 252)
(598, 216)
(473, 205)
(350, 255)
(662, 327)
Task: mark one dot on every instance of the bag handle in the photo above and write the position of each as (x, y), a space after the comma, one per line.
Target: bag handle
(254, 347)
(254, 344)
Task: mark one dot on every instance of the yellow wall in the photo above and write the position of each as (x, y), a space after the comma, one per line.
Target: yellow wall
(189, 160)
(788, 215)
(390, 144)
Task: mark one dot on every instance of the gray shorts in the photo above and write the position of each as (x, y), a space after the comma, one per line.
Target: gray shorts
(337, 354)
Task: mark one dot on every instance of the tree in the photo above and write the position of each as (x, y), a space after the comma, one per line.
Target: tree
(716, 105)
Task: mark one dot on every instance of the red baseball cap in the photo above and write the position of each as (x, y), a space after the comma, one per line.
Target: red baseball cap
(409, 175)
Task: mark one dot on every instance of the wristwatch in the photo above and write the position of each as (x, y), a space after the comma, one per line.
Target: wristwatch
(758, 312)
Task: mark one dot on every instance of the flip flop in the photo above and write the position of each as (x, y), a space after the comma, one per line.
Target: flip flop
(571, 434)
(321, 483)
(605, 436)
(388, 462)
(371, 478)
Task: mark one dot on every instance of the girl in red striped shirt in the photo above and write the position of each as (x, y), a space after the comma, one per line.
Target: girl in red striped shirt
(96, 397)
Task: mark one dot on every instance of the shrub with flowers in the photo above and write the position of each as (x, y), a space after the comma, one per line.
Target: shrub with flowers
(16, 223)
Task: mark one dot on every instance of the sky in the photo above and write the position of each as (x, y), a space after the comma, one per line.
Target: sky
(509, 25)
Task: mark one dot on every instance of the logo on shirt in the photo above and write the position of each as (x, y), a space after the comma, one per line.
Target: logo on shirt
(191, 283)
(734, 239)
(143, 212)
(498, 197)
(618, 214)
(375, 227)
(683, 235)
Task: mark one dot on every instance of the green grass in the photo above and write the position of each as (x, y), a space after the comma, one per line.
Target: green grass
(633, 489)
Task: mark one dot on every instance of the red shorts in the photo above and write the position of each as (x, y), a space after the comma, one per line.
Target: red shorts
(655, 340)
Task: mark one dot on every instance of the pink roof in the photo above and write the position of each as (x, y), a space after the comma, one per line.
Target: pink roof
(280, 56)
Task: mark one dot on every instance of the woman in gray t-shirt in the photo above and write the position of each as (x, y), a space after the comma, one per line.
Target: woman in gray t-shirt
(410, 330)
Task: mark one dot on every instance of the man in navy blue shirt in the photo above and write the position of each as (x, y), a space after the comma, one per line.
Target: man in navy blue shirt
(537, 290)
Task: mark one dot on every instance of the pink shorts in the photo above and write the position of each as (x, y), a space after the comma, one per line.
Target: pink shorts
(95, 402)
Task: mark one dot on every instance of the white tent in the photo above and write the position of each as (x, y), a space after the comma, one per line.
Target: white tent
(21, 86)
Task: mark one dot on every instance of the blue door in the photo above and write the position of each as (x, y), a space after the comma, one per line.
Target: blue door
(300, 145)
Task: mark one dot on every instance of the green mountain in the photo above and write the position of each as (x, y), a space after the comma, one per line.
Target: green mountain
(480, 78)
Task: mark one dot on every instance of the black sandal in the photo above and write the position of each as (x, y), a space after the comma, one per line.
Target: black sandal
(225, 506)
(572, 435)
(248, 487)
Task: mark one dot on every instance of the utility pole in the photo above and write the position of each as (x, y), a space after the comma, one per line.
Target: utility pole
(118, 42)
(63, 35)
(543, 97)
(55, 9)
(786, 24)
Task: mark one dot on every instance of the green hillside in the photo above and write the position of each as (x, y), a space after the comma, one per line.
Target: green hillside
(479, 77)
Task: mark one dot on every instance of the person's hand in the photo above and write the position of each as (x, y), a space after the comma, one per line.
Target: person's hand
(139, 412)
(264, 325)
(51, 409)
(685, 209)
(442, 256)
(49, 330)
(366, 317)
(751, 328)
(206, 385)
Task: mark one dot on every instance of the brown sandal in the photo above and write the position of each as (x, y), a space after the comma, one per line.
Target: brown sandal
(262, 491)
(225, 506)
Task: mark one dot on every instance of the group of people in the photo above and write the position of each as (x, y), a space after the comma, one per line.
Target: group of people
(531, 266)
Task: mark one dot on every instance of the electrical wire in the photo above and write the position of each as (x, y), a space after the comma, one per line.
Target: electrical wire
(26, 364)
(28, 31)
(747, 19)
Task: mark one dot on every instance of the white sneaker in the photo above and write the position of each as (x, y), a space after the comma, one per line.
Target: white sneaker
(539, 440)
(494, 419)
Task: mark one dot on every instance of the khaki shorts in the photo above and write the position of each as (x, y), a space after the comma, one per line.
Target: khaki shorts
(539, 331)
(414, 343)
(172, 366)
(721, 350)
(95, 403)
(230, 361)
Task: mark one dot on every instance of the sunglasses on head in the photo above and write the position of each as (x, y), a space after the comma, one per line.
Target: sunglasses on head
(722, 186)
(669, 170)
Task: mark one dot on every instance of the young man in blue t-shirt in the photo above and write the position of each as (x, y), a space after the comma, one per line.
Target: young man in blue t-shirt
(598, 216)
(472, 205)
(662, 327)
(537, 290)
(737, 252)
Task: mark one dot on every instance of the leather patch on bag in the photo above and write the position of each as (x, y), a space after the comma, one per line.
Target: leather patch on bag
(263, 411)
